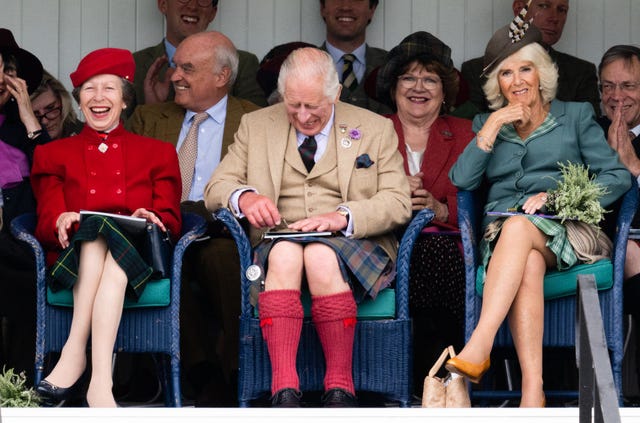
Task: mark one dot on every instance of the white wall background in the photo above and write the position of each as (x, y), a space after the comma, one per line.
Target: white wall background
(60, 32)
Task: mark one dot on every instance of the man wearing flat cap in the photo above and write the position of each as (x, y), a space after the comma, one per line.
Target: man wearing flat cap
(206, 67)
(577, 79)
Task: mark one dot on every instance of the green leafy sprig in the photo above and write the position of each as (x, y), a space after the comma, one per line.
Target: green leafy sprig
(577, 195)
(14, 393)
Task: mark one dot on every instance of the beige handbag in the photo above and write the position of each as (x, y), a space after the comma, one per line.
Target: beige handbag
(448, 392)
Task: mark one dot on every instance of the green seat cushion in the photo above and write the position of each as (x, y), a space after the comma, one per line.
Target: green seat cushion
(559, 284)
(157, 293)
(383, 307)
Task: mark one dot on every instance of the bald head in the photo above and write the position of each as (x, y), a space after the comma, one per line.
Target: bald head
(206, 68)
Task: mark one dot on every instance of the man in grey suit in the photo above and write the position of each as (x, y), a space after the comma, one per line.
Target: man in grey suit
(577, 79)
(346, 23)
(184, 18)
(206, 66)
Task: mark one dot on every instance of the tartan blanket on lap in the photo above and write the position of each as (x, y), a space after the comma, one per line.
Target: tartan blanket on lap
(64, 272)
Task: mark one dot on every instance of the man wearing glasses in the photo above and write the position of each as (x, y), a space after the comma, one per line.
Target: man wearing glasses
(152, 80)
(619, 72)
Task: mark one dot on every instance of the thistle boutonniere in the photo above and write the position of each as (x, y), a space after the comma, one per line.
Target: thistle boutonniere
(577, 195)
(349, 135)
(355, 134)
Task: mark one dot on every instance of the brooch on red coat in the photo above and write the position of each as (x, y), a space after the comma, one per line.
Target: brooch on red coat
(103, 147)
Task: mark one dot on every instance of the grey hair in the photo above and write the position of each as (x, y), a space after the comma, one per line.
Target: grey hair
(226, 56)
(547, 72)
(309, 63)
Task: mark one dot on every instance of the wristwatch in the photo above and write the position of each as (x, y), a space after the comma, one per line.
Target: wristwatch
(34, 134)
(343, 212)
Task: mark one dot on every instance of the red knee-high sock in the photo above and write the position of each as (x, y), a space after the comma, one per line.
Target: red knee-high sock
(281, 317)
(334, 317)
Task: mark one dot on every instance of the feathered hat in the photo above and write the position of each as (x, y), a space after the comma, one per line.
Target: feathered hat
(509, 39)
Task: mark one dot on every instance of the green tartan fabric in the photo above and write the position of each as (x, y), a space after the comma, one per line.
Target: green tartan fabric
(361, 260)
(64, 271)
(558, 241)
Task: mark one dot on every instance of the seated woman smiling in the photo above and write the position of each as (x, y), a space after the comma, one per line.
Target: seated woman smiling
(518, 150)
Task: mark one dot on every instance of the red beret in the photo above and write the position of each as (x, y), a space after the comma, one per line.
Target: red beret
(114, 61)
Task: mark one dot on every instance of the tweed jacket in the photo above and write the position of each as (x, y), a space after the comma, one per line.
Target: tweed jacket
(245, 86)
(374, 57)
(577, 81)
(163, 121)
(516, 170)
(377, 193)
(73, 174)
(447, 138)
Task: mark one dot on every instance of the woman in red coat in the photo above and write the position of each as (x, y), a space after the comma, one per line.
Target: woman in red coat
(107, 169)
(420, 83)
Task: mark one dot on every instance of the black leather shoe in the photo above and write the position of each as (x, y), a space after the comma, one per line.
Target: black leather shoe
(286, 398)
(338, 398)
(52, 395)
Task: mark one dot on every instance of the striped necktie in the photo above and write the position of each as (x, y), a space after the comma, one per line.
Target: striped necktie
(349, 80)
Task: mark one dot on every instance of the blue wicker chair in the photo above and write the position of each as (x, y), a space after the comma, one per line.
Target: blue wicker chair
(154, 329)
(382, 348)
(559, 313)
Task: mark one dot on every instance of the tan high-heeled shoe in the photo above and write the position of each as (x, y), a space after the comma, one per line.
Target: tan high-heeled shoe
(471, 371)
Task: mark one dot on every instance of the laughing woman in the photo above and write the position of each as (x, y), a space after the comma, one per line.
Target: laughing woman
(104, 168)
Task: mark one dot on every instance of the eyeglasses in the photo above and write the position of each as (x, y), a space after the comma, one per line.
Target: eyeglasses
(409, 81)
(201, 3)
(627, 87)
(50, 115)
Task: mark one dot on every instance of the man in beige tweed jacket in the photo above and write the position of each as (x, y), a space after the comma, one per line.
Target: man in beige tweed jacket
(354, 186)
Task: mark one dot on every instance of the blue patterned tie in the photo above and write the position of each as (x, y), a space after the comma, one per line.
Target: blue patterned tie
(307, 152)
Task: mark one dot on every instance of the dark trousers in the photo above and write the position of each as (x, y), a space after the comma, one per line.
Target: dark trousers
(209, 313)
(17, 306)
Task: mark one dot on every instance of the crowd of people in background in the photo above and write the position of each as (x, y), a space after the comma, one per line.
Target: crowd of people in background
(268, 140)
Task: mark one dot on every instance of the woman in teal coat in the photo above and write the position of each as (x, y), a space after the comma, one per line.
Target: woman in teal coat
(517, 150)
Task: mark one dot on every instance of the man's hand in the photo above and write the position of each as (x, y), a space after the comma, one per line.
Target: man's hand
(259, 210)
(156, 90)
(332, 222)
(619, 139)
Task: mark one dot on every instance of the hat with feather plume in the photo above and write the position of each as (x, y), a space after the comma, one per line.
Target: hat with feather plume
(509, 39)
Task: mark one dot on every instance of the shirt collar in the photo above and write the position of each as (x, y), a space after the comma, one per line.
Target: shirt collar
(170, 49)
(217, 112)
(337, 54)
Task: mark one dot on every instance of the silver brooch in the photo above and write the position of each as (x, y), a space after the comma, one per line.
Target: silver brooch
(345, 143)
(103, 147)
